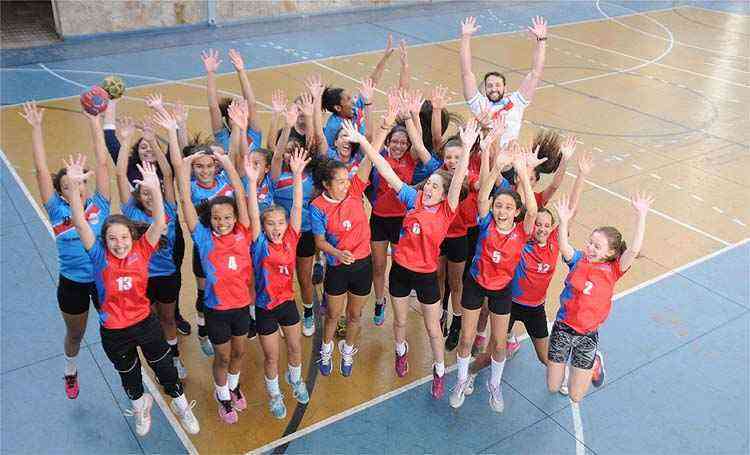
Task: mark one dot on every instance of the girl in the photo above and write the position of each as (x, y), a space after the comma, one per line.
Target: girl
(274, 243)
(163, 279)
(586, 300)
(342, 232)
(75, 288)
(120, 260)
(498, 251)
(222, 237)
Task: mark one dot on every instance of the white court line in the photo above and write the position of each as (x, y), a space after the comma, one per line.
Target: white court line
(146, 379)
(578, 426)
(718, 11)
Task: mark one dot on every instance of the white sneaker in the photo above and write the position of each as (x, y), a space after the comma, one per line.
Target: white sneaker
(308, 325)
(187, 418)
(469, 389)
(458, 393)
(142, 416)
(181, 370)
(496, 397)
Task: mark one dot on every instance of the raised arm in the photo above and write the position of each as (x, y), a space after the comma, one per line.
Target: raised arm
(239, 116)
(468, 134)
(384, 169)
(76, 177)
(538, 32)
(182, 169)
(566, 150)
(151, 184)
(290, 118)
(367, 91)
(169, 123)
(414, 104)
(211, 62)
(33, 115)
(565, 213)
(180, 114)
(297, 163)
(521, 165)
(316, 145)
(278, 106)
(439, 100)
(404, 75)
(247, 89)
(377, 73)
(388, 120)
(641, 203)
(101, 172)
(253, 209)
(125, 134)
(315, 86)
(469, 81)
(488, 176)
(239, 193)
(585, 164)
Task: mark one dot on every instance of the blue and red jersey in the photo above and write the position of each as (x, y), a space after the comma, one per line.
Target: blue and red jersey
(586, 299)
(254, 138)
(333, 124)
(226, 261)
(200, 194)
(352, 164)
(162, 262)
(283, 195)
(422, 231)
(385, 202)
(122, 283)
(274, 265)
(74, 262)
(265, 193)
(497, 253)
(466, 214)
(424, 170)
(535, 271)
(344, 223)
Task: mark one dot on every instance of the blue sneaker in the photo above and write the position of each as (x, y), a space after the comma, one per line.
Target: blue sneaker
(347, 360)
(324, 364)
(299, 389)
(206, 346)
(308, 325)
(276, 404)
(379, 317)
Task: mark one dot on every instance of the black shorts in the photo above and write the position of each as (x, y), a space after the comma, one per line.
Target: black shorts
(384, 228)
(222, 325)
(74, 297)
(498, 302)
(306, 245)
(401, 281)
(197, 266)
(472, 237)
(566, 342)
(455, 249)
(179, 245)
(533, 317)
(164, 289)
(355, 278)
(268, 321)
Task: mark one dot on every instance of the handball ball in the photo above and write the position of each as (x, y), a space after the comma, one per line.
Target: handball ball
(114, 85)
(95, 100)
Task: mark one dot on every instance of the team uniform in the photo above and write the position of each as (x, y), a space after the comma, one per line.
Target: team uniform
(265, 193)
(333, 124)
(512, 106)
(455, 247)
(274, 264)
(352, 164)
(283, 193)
(226, 260)
(254, 138)
(76, 287)
(585, 303)
(345, 226)
(492, 268)
(415, 257)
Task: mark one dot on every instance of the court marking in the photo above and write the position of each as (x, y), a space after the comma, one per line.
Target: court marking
(179, 431)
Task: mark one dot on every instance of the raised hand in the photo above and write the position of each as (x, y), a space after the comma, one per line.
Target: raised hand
(298, 160)
(150, 179)
(291, 114)
(224, 160)
(389, 45)
(367, 89)
(308, 104)
(351, 133)
(469, 26)
(165, 120)
(402, 54)
(236, 58)
(278, 101)
(439, 97)
(187, 161)
(315, 85)
(125, 129)
(155, 101)
(497, 129)
(568, 147)
(641, 202)
(585, 163)
(469, 134)
(538, 29)
(504, 158)
(239, 113)
(532, 157)
(75, 170)
(32, 114)
(563, 208)
(211, 60)
(147, 127)
(251, 168)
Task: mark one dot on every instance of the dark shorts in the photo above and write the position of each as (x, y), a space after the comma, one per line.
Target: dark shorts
(164, 289)
(267, 322)
(565, 342)
(74, 297)
(355, 278)
(498, 302)
(533, 317)
(306, 245)
(179, 245)
(385, 228)
(455, 249)
(401, 281)
(197, 266)
(222, 325)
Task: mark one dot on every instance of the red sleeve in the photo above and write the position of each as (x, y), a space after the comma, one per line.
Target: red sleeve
(143, 247)
(539, 199)
(291, 236)
(357, 187)
(616, 270)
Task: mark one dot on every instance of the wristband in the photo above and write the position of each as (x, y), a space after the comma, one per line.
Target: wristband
(541, 39)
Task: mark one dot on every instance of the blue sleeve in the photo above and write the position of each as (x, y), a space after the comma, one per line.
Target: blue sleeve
(96, 253)
(257, 248)
(170, 209)
(318, 220)
(245, 183)
(332, 153)
(101, 202)
(254, 139)
(53, 205)
(574, 260)
(484, 221)
(129, 209)
(113, 144)
(332, 127)
(201, 235)
(222, 137)
(407, 195)
(424, 170)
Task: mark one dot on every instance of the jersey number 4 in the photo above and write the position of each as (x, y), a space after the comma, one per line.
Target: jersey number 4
(124, 283)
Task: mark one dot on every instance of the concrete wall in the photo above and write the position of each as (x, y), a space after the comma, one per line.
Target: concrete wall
(82, 17)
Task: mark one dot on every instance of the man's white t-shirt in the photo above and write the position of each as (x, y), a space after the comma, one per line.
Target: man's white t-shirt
(512, 106)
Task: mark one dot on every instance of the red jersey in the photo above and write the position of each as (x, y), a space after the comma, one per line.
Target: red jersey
(535, 270)
(344, 223)
(226, 261)
(422, 232)
(386, 202)
(121, 284)
(274, 269)
(497, 254)
(466, 214)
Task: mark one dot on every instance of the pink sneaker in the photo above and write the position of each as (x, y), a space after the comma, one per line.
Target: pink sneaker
(402, 363)
(511, 348)
(227, 413)
(438, 385)
(71, 386)
(238, 399)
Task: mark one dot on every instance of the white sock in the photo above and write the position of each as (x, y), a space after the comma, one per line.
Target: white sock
(272, 386)
(497, 372)
(222, 391)
(172, 342)
(327, 347)
(70, 366)
(401, 348)
(348, 349)
(140, 403)
(200, 320)
(439, 368)
(181, 402)
(233, 380)
(295, 373)
(252, 311)
(463, 367)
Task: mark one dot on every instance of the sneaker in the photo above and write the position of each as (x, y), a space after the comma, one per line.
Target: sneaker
(299, 389)
(444, 323)
(318, 273)
(597, 376)
(402, 363)
(227, 413)
(438, 385)
(478, 346)
(183, 327)
(71, 386)
(511, 348)
(347, 360)
(469, 389)
(496, 397)
(308, 325)
(186, 416)
(458, 392)
(341, 328)
(252, 329)
(238, 399)
(142, 416)
(276, 404)
(379, 317)
(206, 346)
(452, 341)
(181, 370)
(324, 364)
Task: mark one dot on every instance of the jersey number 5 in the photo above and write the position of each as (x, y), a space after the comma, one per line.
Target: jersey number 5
(124, 283)
(496, 257)
(587, 287)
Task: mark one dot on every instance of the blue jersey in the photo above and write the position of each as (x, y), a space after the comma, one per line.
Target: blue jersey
(162, 261)
(425, 170)
(333, 124)
(74, 262)
(283, 194)
(265, 193)
(352, 164)
(200, 195)
(254, 138)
